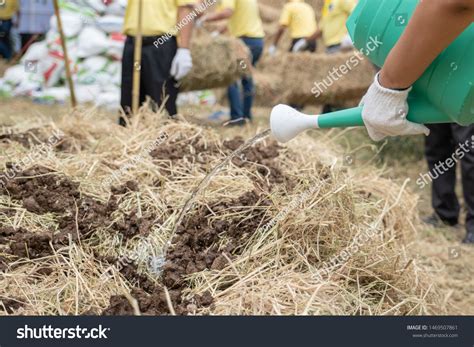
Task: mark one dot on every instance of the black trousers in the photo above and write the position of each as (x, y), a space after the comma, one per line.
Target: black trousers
(312, 45)
(444, 141)
(25, 39)
(156, 80)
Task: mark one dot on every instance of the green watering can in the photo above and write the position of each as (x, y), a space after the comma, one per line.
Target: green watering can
(444, 94)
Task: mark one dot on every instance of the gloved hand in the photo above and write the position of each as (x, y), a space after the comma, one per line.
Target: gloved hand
(182, 64)
(385, 113)
(300, 46)
(215, 34)
(347, 42)
(272, 50)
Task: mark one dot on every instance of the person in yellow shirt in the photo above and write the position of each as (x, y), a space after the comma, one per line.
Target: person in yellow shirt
(166, 28)
(246, 24)
(333, 24)
(300, 18)
(8, 9)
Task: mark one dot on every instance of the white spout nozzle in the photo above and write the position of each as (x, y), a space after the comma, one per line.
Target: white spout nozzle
(286, 123)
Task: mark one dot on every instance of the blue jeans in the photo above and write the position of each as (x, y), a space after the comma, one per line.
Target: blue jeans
(5, 46)
(241, 99)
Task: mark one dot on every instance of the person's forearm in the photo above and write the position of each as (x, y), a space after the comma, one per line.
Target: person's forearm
(435, 24)
(216, 16)
(279, 34)
(187, 30)
(317, 34)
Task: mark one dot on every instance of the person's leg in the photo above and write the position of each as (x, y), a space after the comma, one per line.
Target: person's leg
(312, 46)
(156, 78)
(235, 101)
(5, 46)
(293, 43)
(25, 40)
(256, 49)
(127, 79)
(465, 136)
(439, 146)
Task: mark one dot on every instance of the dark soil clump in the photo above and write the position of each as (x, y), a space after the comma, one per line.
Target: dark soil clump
(151, 297)
(262, 156)
(132, 225)
(10, 305)
(194, 249)
(27, 139)
(180, 148)
(129, 186)
(31, 245)
(44, 191)
(3, 264)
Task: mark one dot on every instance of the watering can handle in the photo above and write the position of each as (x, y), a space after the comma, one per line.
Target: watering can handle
(421, 112)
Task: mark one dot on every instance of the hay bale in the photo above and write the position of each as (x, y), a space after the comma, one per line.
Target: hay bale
(336, 78)
(217, 63)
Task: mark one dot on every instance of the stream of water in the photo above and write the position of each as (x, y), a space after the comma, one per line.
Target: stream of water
(205, 182)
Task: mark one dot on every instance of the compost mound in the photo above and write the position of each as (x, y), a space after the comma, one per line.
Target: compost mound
(257, 240)
(199, 245)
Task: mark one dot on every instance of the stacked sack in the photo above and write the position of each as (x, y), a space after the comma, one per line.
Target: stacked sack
(95, 43)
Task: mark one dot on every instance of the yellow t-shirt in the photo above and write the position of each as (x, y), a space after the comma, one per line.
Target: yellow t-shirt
(8, 9)
(246, 19)
(300, 18)
(158, 16)
(334, 18)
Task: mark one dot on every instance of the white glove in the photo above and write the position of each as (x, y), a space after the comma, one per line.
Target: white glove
(182, 64)
(215, 34)
(272, 50)
(300, 46)
(347, 42)
(385, 113)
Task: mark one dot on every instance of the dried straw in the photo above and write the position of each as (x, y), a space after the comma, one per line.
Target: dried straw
(275, 274)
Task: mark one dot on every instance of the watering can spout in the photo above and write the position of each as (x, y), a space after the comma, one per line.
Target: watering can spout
(287, 123)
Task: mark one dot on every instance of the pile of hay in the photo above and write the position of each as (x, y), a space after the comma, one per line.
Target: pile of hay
(313, 79)
(260, 239)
